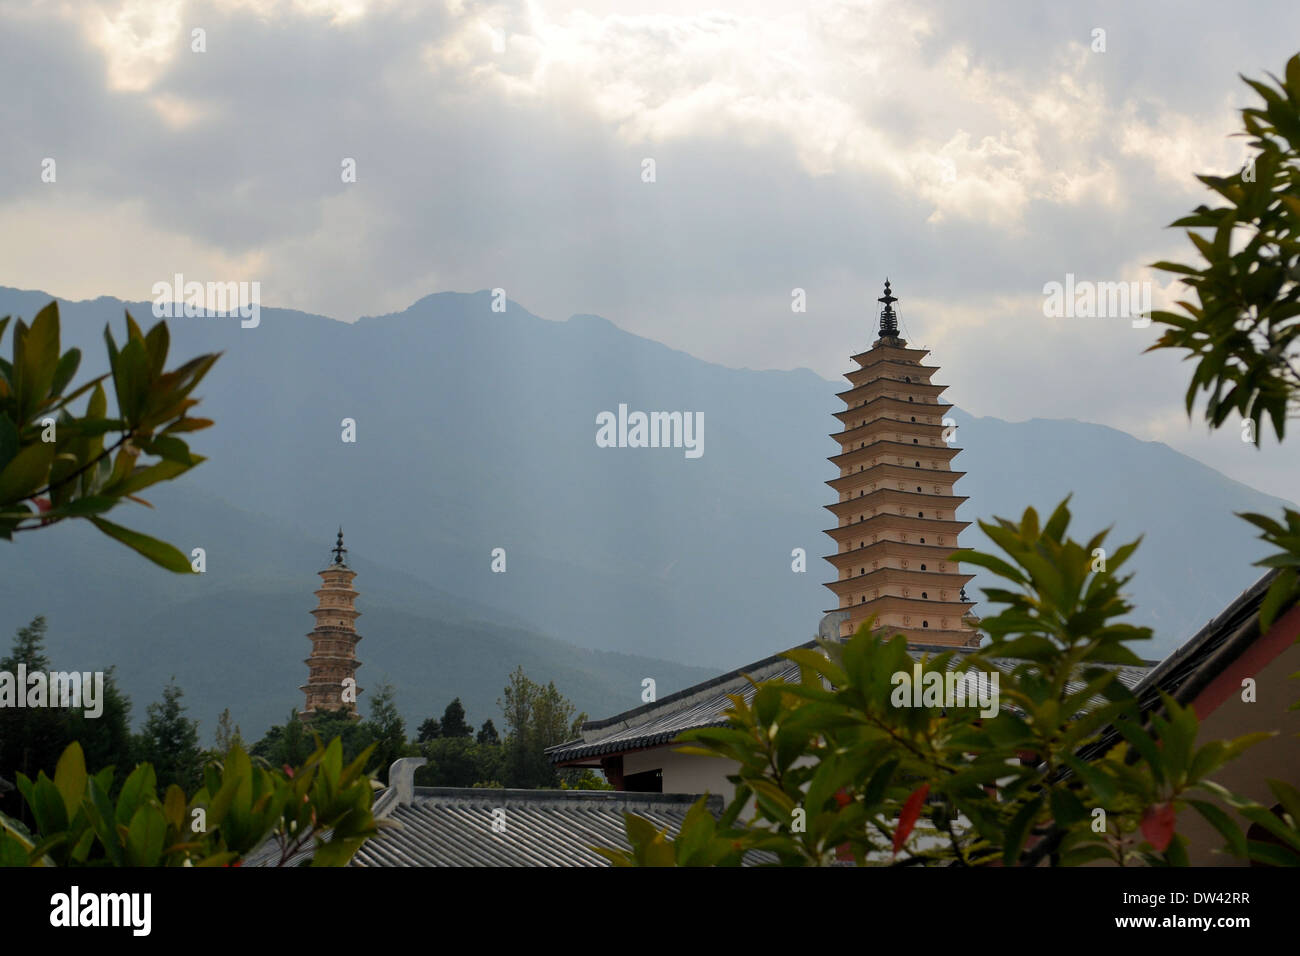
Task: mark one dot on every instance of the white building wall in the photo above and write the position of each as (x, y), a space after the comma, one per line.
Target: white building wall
(684, 773)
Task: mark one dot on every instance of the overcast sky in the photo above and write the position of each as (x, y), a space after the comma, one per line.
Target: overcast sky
(970, 151)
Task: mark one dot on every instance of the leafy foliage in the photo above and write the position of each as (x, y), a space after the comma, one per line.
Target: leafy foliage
(387, 729)
(1243, 332)
(55, 465)
(1242, 329)
(33, 738)
(839, 767)
(170, 741)
(453, 721)
(487, 734)
(322, 805)
(30, 737)
(587, 779)
(429, 729)
(536, 717)
(226, 735)
(702, 843)
(1286, 586)
(458, 762)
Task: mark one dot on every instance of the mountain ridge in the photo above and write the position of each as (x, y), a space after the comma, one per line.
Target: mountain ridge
(476, 434)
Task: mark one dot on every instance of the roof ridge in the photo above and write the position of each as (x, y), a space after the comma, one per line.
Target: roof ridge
(688, 692)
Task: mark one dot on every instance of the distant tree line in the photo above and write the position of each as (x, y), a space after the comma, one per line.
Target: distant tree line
(536, 717)
(33, 738)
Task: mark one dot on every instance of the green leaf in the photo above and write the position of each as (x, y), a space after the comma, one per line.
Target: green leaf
(138, 788)
(39, 361)
(70, 778)
(1018, 830)
(1271, 854)
(27, 472)
(145, 835)
(992, 562)
(142, 478)
(81, 507)
(1141, 741)
(13, 850)
(63, 373)
(1288, 797)
(1085, 854)
(1066, 808)
(696, 832)
(156, 344)
(47, 807)
(1224, 824)
(102, 817)
(159, 552)
(131, 380)
(170, 449)
(8, 441)
(1280, 592)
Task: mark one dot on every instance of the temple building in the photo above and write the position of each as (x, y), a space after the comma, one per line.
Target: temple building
(896, 512)
(333, 660)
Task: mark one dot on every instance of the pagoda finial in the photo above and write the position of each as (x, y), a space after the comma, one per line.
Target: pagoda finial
(339, 550)
(888, 318)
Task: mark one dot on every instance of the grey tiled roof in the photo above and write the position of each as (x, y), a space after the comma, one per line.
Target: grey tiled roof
(453, 827)
(705, 705)
(701, 705)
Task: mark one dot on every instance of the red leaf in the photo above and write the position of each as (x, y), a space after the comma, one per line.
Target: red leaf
(1158, 825)
(907, 818)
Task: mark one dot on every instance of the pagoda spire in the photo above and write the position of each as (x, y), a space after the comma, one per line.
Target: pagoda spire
(339, 550)
(888, 317)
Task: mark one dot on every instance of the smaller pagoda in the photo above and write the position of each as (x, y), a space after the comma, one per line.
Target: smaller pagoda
(333, 660)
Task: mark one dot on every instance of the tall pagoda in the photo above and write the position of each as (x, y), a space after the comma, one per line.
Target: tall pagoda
(334, 640)
(896, 515)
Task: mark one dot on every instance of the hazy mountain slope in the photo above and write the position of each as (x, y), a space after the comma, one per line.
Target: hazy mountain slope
(477, 430)
(237, 636)
(1195, 553)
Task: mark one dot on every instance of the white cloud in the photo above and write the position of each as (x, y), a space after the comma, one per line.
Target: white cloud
(137, 38)
(973, 155)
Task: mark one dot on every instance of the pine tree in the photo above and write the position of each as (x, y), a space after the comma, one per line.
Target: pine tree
(31, 738)
(487, 734)
(170, 741)
(453, 721)
(288, 744)
(106, 739)
(226, 736)
(387, 728)
(429, 730)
